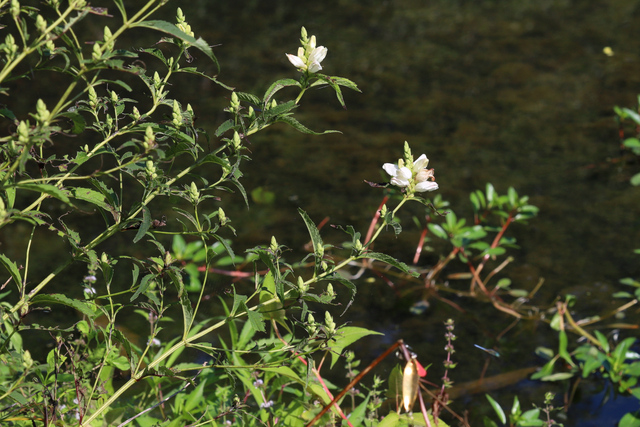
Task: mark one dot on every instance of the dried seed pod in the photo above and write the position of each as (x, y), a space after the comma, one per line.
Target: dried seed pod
(410, 384)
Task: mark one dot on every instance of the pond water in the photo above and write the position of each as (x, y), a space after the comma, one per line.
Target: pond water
(512, 93)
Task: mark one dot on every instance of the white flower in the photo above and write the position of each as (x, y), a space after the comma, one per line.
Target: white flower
(309, 61)
(422, 178)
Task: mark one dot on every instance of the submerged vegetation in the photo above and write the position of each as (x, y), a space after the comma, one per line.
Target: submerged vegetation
(113, 166)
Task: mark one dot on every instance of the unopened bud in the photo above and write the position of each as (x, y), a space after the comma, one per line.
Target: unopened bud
(302, 287)
(274, 245)
(330, 291)
(42, 114)
(237, 142)
(329, 323)
(222, 217)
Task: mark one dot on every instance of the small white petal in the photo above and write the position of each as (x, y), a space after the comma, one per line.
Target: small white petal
(426, 186)
(390, 168)
(399, 182)
(318, 54)
(404, 173)
(296, 61)
(314, 67)
(420, 163)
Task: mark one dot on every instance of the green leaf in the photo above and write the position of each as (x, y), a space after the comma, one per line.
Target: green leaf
(274, 310)
(345, 337)
(169, 28)
(144, 225)
(558, 377)
(438, 231)
(91, 196)
(632, 419)
(314, 233)
(255, 319)
(83, 307)
(562, 348)
(302, 128)
(546, 370)
(276, 86)
(13, 270)
(144, 284)
(78, 122)
(389, 260)
(498, 409)
(49, 189)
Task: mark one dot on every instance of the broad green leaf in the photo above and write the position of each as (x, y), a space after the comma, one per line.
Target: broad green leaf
(49, 189)
(345, 337)
(83, 307)
(91, 196)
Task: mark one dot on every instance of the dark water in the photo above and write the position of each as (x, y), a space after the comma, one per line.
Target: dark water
(513, 93)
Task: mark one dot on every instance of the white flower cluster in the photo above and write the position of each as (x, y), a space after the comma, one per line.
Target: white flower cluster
(418, 178)
(309, 56)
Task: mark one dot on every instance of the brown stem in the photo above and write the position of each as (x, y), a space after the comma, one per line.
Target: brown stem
(356, 380)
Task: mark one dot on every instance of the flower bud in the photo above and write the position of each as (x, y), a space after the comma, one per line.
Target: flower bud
(235, 103)
(176, 114)
(97, 52)
(237, 142)
(15, 9)
(150, 169)
(108, 39)
(319, 250)
(41, 24)
(10, 46)
(157, 83)
(93, 98)
(408, 157)
(329, 323)
(358, 245)
(149, 137)
(114, 97)
(136, 114)
(312, 327)
(222, 217)
(194, 193)
(42, 114)
(330, 291)
(274, 245)
(23, 132)
(302, 287)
